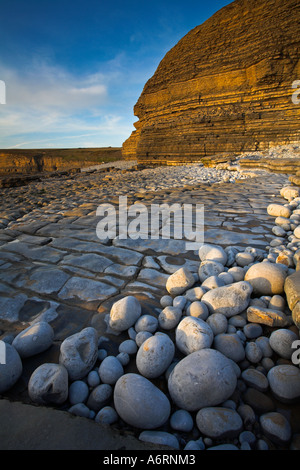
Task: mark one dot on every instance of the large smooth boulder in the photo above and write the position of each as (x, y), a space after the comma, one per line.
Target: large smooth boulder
(266, 278)
(203, 378)
(229, 300)
(140, 403)
(34, 339)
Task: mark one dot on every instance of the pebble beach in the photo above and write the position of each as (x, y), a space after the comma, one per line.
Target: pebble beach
(193, 350)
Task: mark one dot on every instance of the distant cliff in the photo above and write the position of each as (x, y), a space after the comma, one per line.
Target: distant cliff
(226, 87)
(40, 161)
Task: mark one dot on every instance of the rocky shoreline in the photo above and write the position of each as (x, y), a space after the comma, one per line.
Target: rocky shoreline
(84, 322)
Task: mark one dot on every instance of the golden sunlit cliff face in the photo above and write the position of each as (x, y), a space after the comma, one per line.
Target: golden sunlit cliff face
(225, 87)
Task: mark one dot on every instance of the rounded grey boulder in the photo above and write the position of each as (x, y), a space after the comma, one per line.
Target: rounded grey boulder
(266, 278)
(213, 252)
(284, 381)
(79, 352)
(49, 384)
(140, 403)
(124, 313)
(11, 371)
(193, 334)
(155, 355)
(34, 339)
(203, 378)
(229, 300)
(219, 422)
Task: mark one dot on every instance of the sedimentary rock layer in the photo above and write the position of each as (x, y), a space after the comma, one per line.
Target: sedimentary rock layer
(226, 87)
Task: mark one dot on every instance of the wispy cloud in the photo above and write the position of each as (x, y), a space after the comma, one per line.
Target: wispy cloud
(47, 103)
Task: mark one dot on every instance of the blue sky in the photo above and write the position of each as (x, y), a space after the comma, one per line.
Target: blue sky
(74, 69)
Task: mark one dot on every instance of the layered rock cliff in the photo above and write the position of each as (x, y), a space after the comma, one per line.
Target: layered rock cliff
(226, 87)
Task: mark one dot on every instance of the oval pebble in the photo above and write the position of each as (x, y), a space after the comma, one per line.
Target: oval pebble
(33, 340)
(198, 309)
(146, 323)
(78, 392)
(99, 397)
(110, 370)
(281, 341)
(193, 334)
(219, 422)
(284, 381)
(93, 378)
(155, 355)
(128, 346)
(124, 313)
(254, 378)
(182, 420)
(276, 427)
(218, 323)
(169, 318)
(253, 352)
(134, 396)
(107, 415)
(230, 345)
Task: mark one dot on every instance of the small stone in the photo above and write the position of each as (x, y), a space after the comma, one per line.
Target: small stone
(180, 281)
(107, 415)
(169, 318)
(255, 379)
(193, 334)
(247, 414)
(277, 210)
(244, 259)
(128, 346)
(218, 323)
(124, 313)
(134, 396)
(160, 437)
(99, 397)
(297, 232)
(276, 427)
(229, 300)
(264, 343)
(213, 252)
(219, 422)
(80, 409)
(281, 342)
(11, 371)
(78, 392)
(48, 384)
(146, 323)
(155, 355)
(230, 345)
(93, 378)
(284, 381)
(266, 278)
(237, 272)
(209, 268)
(259, 401)
(33, 340)
(253, 352)
(182, 420)
(110, 370)
(166, 301)
(277, 302)
(179, 302)
(247, 436)
(79, 352)
(203, 378)
(252, 330)
(102, 354)
(226, 278)
(198, 309)
(124, 358)
(141, 337)
(195, 293)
